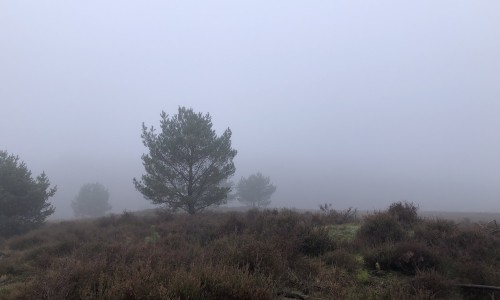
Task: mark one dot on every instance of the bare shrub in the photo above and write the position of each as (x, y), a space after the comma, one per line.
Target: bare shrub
(333, 216)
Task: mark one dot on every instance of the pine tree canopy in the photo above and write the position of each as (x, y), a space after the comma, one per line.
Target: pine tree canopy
(187, 164)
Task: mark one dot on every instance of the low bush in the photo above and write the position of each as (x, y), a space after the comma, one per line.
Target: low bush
(333, 216)
(435, 232)
(214, 282)
(436, 284)
(380, 228)
(269, 254)
(263, 255)
(344, 259)
(29, 240)
(404, 212)
(316, 242)
(405, 257)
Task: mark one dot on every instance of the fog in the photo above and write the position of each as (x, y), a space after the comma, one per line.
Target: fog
(354, 103)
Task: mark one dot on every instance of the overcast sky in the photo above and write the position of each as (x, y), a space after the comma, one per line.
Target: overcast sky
(354, 103)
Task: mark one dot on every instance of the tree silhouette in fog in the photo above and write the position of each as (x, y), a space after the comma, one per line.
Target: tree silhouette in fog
(91, 201)
(187, 164)
(23, 199)
(255, 191)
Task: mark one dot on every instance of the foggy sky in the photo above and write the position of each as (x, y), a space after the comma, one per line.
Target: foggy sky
(354, 103)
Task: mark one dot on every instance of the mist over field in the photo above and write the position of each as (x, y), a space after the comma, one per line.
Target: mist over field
(353, 103)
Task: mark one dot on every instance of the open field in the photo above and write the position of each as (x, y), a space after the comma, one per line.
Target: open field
(461, 216)
(271, 254)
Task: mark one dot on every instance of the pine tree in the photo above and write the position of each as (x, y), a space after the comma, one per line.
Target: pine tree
(255, 191)
(187, 164)
(23, 199)
(92, 201)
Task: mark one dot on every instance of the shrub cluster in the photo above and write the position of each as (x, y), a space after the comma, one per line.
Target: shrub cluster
(270, 254)
(438, 254)
(237, 255)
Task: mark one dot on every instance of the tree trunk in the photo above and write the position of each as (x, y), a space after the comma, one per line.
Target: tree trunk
(191, 210)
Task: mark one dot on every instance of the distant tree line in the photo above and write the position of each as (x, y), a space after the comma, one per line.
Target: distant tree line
(187, 167)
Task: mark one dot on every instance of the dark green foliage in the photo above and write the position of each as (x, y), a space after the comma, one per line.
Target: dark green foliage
(381, 228)
(316, 242)
(91, 201)
(406, 257)
(255, 191)
(404, 212)
(23, 199)
(188, 164)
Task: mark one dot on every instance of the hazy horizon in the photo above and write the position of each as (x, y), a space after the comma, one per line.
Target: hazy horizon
(358, 104)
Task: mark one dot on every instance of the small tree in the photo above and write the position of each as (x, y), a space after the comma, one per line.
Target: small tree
(188, 164)
(91, 201)
(255, 191)
(23, 199)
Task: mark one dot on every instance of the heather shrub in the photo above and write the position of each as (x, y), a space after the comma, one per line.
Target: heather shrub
(477, 273)
(404, 212)
(126, 218)
(201, 233)
(442, 226)
(404, 257)
(333, 216)
(262, 255)
(26, 241)
(303, 273)
(42, 256)
(107, 221)
(380, 228)
(165, 214)
(435, 232)
(344, 259)
(233, 224)
(277, 223)
(472, 243)
(410, 257)
(270, 254)
(316, 242)
(436, 284)
(213, 282)
(13, 267)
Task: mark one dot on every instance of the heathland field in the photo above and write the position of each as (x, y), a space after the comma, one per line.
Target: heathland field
(269, 254)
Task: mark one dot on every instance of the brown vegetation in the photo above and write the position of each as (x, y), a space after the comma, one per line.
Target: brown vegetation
(267, 254)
